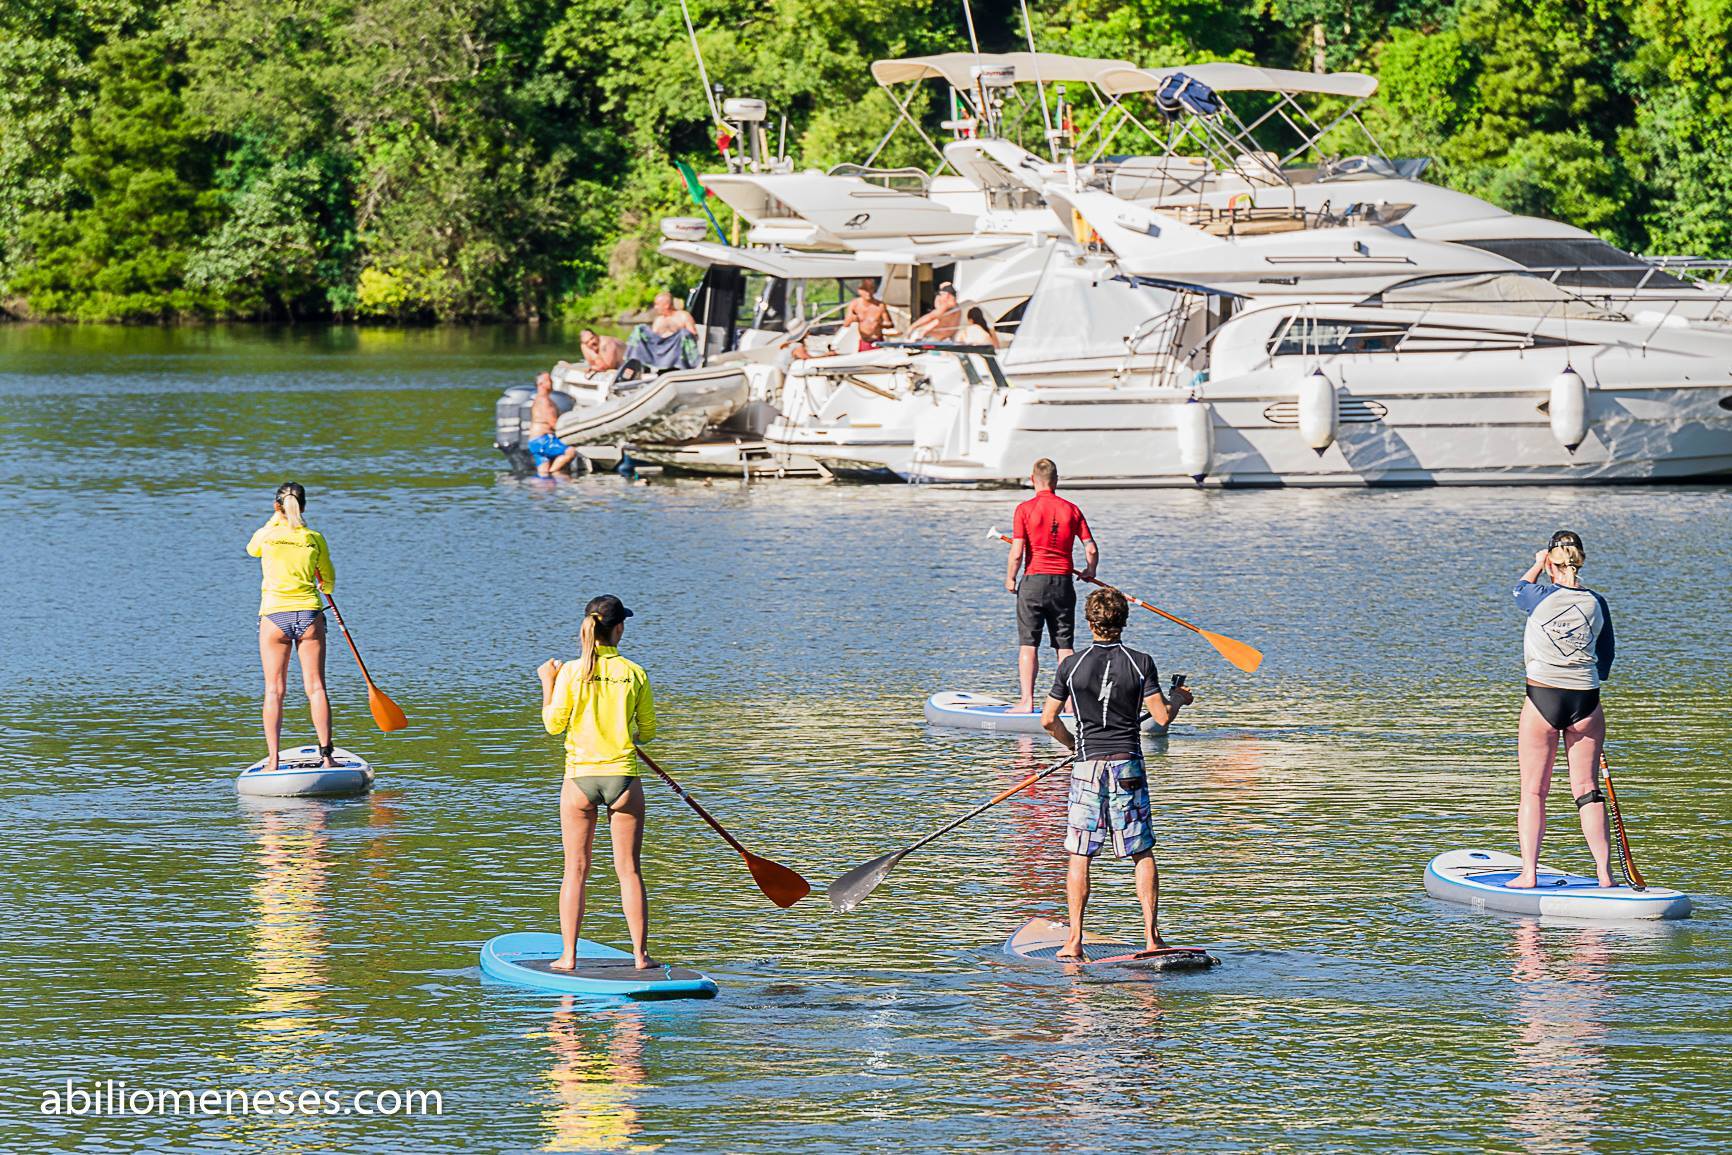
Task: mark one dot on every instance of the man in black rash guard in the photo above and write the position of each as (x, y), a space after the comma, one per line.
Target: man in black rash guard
(1111, 685)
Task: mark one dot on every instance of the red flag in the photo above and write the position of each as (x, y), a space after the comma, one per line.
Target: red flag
(724, 140)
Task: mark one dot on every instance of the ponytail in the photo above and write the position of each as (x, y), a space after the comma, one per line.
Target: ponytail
(586, 654)
(1567, 557)
(291, 499)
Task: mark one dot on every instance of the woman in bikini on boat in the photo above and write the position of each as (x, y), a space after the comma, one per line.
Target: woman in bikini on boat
(296, 564)
(603, 705)
(1568, 650)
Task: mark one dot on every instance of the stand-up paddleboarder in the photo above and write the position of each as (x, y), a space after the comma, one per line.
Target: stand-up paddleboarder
(1568, 650)
(603, 705)
(1046, 527)
(1111, 685)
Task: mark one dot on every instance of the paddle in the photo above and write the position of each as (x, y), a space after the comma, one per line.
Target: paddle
(386, 713)
(1625, 862)
(781, 885)
(1246, 657)
(851, 889)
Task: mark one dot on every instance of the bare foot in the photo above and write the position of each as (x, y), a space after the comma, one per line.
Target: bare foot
(330, 763)
(1022, 707)
(646, 963)
(1156, 943)
(270, 764)
(1072, 951)
(1606, 881)
(1521, 882)
(564, 962)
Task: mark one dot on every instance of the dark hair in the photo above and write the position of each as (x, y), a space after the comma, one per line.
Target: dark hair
(1107, 612)
(976, 317)
(1045, 472)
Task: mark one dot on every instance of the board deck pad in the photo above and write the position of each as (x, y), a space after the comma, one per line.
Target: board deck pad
(610, 969)
(1040, 940)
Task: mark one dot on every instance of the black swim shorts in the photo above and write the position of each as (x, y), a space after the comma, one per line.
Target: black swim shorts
(1049, 600)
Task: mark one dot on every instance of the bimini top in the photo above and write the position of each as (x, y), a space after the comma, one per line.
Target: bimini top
(958, 68)
(1224, 76)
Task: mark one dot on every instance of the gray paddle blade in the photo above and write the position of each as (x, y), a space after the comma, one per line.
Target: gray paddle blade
(851, 889)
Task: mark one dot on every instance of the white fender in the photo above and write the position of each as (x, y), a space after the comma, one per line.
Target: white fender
(1569, 409)
(1319, 411)
(1194, 421)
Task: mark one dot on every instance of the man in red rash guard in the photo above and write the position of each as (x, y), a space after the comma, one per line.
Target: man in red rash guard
(1046, 527)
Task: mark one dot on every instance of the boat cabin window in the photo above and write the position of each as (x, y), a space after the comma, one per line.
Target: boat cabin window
(1581, 262)
(1320, 336)
(769, 297)
(1323, 337)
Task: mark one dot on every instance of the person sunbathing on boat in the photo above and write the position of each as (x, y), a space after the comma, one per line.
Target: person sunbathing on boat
(868, 314)
(944, 319)
(549, 453)
(668, 341)
(600, 353)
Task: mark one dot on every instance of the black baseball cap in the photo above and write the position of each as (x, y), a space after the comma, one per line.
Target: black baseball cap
(610, 609)
(1568, 537)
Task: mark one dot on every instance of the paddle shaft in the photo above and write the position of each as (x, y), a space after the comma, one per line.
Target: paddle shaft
(1129, 598)
(692, 802)
(348, 637)
(1625, 860)
(994, 801)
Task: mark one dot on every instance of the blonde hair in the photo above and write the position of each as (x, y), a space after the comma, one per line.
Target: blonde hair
(1567, 556)
(292, 511)
(586, 653)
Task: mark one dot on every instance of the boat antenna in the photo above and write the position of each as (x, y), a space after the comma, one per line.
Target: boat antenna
(703, 73)
(1045, 117)
(968, 14)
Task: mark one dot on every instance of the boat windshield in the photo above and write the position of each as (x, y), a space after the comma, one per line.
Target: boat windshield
(1081, 311)
(1507, 293)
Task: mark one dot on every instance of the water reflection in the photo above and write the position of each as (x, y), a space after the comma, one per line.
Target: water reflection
(1561, 1004)
(597, 1073)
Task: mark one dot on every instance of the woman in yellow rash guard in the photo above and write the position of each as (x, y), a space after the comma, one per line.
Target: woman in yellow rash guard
(603, 705)
(297, 566)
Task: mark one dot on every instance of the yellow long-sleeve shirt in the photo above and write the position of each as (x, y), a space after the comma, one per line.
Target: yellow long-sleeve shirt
(296, 565)
(602, 719)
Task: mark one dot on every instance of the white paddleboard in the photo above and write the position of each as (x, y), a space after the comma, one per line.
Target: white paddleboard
(299, 774)
(987, 712)
(1040, 940)
(1476, 878)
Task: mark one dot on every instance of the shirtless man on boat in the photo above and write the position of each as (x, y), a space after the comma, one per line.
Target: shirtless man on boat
(551, 455)
(1046, 528)
(1110, 685)
(600, 353)
(667, 319)
(943, 320)
(868, 313)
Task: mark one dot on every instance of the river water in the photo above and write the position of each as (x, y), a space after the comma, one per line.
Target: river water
(163, 935)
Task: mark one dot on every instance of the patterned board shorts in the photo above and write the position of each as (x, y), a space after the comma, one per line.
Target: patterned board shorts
(1109, 799)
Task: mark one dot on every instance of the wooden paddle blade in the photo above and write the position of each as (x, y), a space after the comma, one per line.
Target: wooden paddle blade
(851, 889)
(782, 886)
(386, 713)
(1247, 658)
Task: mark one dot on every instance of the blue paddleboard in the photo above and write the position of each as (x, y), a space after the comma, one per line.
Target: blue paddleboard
(522, 958)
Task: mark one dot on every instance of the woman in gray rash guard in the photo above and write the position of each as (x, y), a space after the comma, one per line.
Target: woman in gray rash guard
(1568, 650)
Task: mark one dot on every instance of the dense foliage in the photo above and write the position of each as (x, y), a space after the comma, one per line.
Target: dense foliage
(443, 159)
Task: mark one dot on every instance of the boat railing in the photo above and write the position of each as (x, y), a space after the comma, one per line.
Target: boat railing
(913, 181)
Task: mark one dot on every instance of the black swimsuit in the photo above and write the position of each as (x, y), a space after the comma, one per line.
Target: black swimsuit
(1563, 708)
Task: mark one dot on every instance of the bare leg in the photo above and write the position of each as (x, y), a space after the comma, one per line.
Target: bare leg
(1027, 668)
(562, 463)
(1076, 895)
(274, 651)
(312, 649)
(1069, 706)
(1149, 894)
(577, 836)
(1537, 751)
(1582, 743)
(626, 826)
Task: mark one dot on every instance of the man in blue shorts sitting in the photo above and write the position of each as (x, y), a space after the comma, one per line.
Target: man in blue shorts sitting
(1111, 685)
(550, 453)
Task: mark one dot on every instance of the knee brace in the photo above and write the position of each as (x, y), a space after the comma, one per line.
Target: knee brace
(1589, 798)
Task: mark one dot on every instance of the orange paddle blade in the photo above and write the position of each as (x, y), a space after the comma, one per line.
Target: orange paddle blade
(780, 885)
(1247, 658)
(386, 713)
